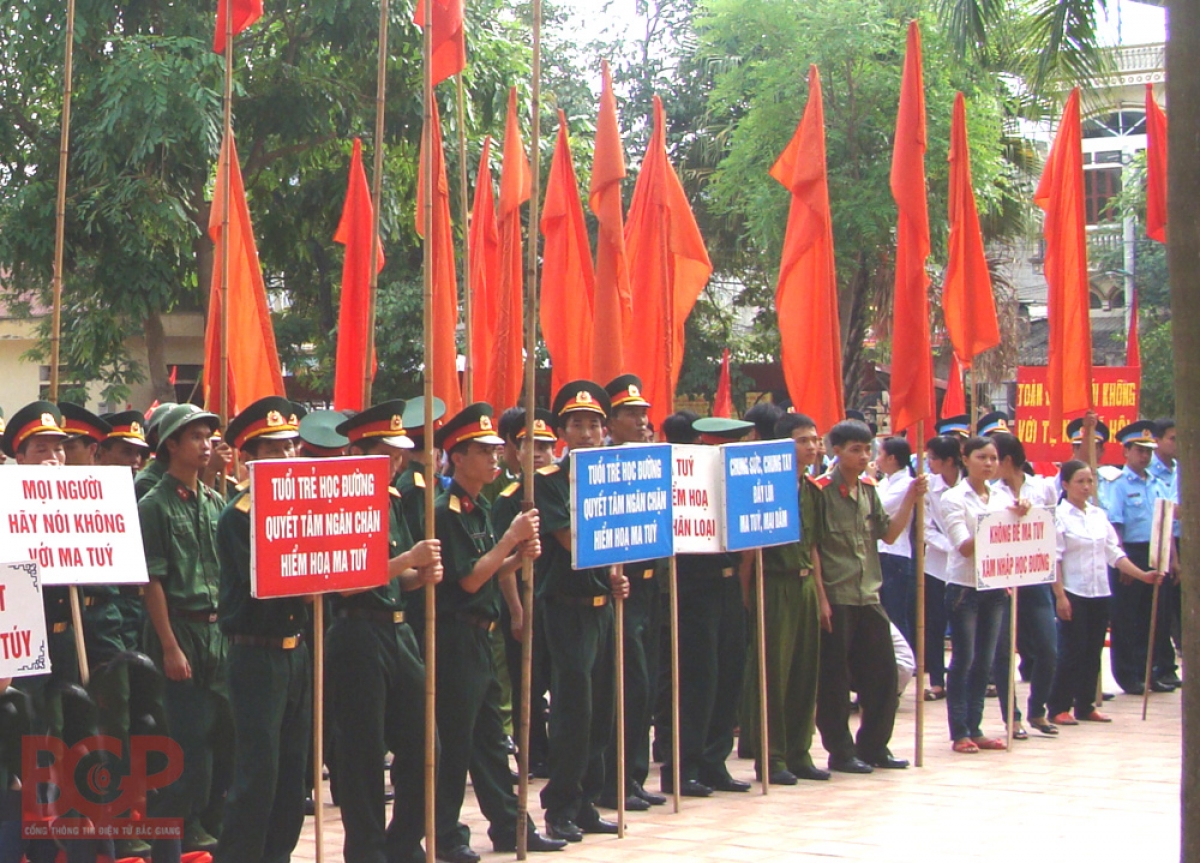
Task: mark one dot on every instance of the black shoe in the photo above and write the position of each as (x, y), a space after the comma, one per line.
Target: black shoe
(649, 796)
(461, 854)
(1107, 696)
(534, 843)
(539, 770)
(509, 746)
(1134, 689)
(1171, 679)
(850, 765)
(596, 824)
(890, 762)
(1161, 686)
(310, 806)
(728, 783)
(687, 787)
(514, 776)
(783, 777)
(810, 772)
(564, 830)
(633, 803)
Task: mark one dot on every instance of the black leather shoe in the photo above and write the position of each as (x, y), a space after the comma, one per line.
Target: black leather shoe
(850, 765)
(687, 788)
(728, 783)
(1171, 679)
(1134, 689)
(1161, 686)
(649, 796)
(890, 762)
(633, 803)
(539, 770)
(783, 777)
(596, 824)
(534, 843)
(1108, 696)
(310, 806)
(509, 746)
(812, 773)
(461, 854)
(565, 830)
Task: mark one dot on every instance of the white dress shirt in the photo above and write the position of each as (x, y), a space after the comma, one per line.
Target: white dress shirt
(891, 490)
(962, 508)
(1087, 546)
(937, 545)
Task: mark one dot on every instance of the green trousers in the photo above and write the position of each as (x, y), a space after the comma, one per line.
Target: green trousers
(792, 613)
(642, 642)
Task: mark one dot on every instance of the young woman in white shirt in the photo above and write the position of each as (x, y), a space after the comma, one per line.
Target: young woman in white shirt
(944, 457)
(975, 615)
(1087, 546)
(898, 596)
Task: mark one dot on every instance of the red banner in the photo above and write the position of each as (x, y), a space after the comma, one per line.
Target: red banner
(318, 525)
(1115, 392)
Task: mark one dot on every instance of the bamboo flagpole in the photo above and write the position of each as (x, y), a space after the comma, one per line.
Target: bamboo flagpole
(527, 503)
(318, 723)
(465, 209)
(377, 195)
(619, 654)
(1161, 542)
(764, 742)
(673, 586)
(226, 180)
(919, 635)
(1011, 697)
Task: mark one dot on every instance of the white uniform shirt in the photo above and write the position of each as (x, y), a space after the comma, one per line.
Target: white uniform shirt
(962, 508)
(1087, 546)
(891, 490)
(937, 545)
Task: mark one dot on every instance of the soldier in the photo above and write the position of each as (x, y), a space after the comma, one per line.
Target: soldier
(148, 477)
(269, 675)
(179, 524)
(468, 710)
(84, 431)
(375, 674)
(125, 444)
(577, 618)
(411, 481)
(627, 425)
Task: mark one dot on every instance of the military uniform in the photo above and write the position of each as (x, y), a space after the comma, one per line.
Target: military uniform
(269, 677)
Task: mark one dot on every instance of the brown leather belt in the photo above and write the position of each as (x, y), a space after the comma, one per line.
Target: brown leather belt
(588, 601)
(60, 627)
(289, 643)
(369, 614)
(476, 620)
(196, 616)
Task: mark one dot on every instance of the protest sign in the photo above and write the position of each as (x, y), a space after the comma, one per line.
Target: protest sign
(1012, 551)
(696, 498)
(23, 650)
(761, 501)
(80, 524)
(620, 505)
(1115, 392)
(318, 525)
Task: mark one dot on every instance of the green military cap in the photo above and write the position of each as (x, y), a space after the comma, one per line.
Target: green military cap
(626, 391)
(128, 426)
(78, 421)
(318, 432)
(40, 417)
(299, 410)
(472, 423)
(269, 418)
(383, 422)
(582, 396)
(414, 419)
(719, 430)
(179, 417)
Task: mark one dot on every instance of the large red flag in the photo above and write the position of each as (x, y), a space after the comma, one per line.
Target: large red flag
(955, 402)
(254, 370)
(967, 301)
(668, 268)
(449, 46)
(806, 299)
(723, 401)
(567, 279)
(504, 385)
(613, 306)
(245, 13)
(912, 371)
(1060, 195)
(354, 232)
(1156, 168)
(484, 280)
(445, 283)
(1133, 344)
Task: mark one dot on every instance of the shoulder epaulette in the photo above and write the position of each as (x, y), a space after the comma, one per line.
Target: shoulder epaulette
(393, 491)
(454, 503)
(242, 486)
(242, 504)
(510, 489)
(868, 480)
(549, 469)
(824, 481)
(813, 480)
(419, 480)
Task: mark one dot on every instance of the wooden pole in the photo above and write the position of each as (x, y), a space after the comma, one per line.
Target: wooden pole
(80, 650)
(226, 181)
(1012, 667)
(673, 586)
(377, 195)
(919, 635)
(619, 652)
(1161, 543)
(531, 309)
(760, 612)
(60, 213)
(318, 721)
(1150, 652)
(465, 208)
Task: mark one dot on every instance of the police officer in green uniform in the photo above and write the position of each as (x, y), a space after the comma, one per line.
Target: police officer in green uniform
(268, 670)
(148, 477)
(179, 525)
(410, 482)
(576, 614)
(375, 676)
(468, 710)
(627, 425)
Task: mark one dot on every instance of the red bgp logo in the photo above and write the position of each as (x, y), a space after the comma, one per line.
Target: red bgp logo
(95, 788)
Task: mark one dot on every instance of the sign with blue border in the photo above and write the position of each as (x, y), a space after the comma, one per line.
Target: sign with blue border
(762, 504)
(620, 505)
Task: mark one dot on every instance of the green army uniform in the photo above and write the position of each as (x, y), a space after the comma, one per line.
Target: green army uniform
(851, 521)
(148, 477)
(793, 626)
(411, 485)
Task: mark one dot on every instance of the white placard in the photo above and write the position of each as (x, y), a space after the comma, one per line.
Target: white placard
(79, 524)
(1162, 534)
(696, 497)
(1011, 551)
(23, 649)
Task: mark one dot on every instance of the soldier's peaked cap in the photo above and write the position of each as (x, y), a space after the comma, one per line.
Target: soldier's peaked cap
(383, 422)
(40, 417)
(270, 418)
(472, 423)
(626, 391)
(582, 395)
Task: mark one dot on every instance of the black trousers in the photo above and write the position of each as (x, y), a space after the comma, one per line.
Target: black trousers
(1080, 643)
(858, 649)
(1129, 612)
(935, 630)
(641, 644)
(539, 683)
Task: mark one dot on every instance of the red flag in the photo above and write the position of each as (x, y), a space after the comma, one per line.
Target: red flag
(967, 301)
(173, 376)
(504, 385)
(245, 13)
(568, 283)
(723, 401)
(1060, 195)
(806, 294)
(354, 232)
(449, 46)
(668, 268)
(445, 282)
(912, 371)
(484, 277)
(1133, 345)
(955, 402)
(254, 371)
(1156, 169)
(613, 306)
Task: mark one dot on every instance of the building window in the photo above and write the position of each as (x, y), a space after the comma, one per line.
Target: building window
(1100, 185)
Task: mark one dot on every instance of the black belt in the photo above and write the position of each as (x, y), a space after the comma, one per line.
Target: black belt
(588, 601)
(370, 614)
(132, 590)
(476, 620)
(291, 642)
(196, 616)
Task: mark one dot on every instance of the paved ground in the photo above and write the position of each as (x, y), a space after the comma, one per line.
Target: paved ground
(1096, 792)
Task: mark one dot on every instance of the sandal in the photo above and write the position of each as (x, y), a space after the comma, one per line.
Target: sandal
(1019, 733)
(935, 693)
(1044, 726)
(1065, 718)
(965, 745)
(990, 744)
(1094, 716)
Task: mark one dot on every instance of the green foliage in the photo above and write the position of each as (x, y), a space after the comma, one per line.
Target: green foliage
(1158, 372)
